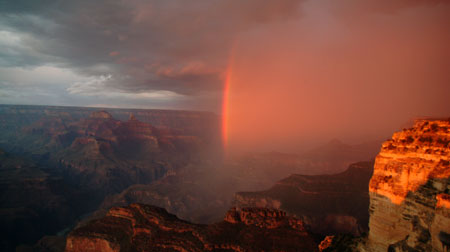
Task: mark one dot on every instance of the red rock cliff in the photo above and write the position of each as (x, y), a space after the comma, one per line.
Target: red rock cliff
(409, 190)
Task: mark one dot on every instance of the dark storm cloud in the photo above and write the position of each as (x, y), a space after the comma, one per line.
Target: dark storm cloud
(137, 46)
(157, 45)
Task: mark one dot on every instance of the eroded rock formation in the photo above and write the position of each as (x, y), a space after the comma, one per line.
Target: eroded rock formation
(60, 162)
(140, 227)
(328, 204)
(409, 190)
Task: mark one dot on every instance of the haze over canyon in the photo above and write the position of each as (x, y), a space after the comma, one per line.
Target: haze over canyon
(223, 125)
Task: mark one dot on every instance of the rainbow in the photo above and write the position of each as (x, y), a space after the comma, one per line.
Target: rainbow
(226, 98)
(225, 108)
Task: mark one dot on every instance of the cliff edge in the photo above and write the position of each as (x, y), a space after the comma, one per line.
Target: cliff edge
(409, 190)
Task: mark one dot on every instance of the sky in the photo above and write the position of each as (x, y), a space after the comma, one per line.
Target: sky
(349, 69)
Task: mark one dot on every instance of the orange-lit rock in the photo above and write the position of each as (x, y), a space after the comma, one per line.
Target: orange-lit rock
(140, 227)
(326, 243)
(443, 200)
(409, 204)
(411, 158)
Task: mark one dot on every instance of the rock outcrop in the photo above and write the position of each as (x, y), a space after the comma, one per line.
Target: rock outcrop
(409, 190)
(328, 204)
(326, 243)
(101, 115)
(140, 227)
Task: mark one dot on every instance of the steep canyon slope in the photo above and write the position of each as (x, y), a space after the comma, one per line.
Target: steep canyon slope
(410, 190)
(409, 193)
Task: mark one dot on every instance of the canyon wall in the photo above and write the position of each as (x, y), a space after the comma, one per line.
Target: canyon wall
(59, 163)
(139, 227)
(409, 190)
(328, 204)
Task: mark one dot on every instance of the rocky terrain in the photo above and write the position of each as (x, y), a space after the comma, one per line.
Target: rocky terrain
(105, 155)
(140, 227)
(101, 152)
(163, 158)
(204, 124)
(328, 204)
(60, 163)
(409, 193)
(68, 166)
(202, 191)
(410, 190)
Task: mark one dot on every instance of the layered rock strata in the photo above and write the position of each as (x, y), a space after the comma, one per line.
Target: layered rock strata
(140, 227)
(409, 190)
(61, 162)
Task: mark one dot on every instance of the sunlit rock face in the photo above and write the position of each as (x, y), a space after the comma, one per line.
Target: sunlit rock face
(139, 227)
(409, 190)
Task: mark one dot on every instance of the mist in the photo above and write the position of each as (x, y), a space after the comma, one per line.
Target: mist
(347, 71)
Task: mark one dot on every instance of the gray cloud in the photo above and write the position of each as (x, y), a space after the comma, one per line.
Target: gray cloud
(161, 45)
(177, 48)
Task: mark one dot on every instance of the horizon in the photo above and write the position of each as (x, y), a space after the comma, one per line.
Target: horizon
(279, 73)
(301, 147)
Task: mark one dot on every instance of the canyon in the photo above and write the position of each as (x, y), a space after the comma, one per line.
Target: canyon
(90, 159)
(328, 204)
(59, 163)
(406, 202)
(203, 191)
(71, 177)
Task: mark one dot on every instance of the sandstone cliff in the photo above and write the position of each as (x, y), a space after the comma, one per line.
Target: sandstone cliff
(140, 227)
(409, 190)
